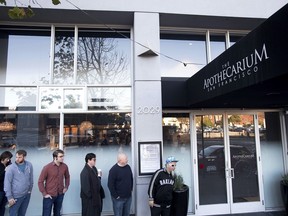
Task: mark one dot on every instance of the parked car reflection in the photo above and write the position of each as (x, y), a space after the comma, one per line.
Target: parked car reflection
(212, 160)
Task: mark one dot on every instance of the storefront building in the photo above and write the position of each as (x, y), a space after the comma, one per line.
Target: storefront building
(152, 80)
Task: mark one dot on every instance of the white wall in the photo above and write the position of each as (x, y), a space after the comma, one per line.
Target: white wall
(243, 8)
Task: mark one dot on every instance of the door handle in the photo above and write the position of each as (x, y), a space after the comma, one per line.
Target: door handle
(232, 173)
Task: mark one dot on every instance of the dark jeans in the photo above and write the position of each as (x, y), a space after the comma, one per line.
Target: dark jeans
(121, 206)
(3, 201)
(157, 211)
(20, 207)
(55, 202)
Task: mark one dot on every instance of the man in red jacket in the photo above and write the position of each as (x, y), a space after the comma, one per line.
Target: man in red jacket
(51, 184)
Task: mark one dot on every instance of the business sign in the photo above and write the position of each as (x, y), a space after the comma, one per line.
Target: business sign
(258, 57)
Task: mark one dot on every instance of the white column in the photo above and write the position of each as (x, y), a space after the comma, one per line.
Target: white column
(147, 109)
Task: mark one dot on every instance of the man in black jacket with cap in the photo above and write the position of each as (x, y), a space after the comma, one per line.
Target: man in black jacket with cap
(161, 188)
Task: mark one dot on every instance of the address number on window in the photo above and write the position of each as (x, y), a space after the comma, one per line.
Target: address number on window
(148, 110)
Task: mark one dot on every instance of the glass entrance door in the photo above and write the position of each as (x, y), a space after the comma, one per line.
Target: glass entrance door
(228, 164)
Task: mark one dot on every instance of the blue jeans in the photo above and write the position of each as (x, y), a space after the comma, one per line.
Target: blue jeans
(48, 203)
(121, 206)
(20, 207)
(3, 201)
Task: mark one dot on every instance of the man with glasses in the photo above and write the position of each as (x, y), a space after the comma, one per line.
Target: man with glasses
(161, 189)
(53, 182)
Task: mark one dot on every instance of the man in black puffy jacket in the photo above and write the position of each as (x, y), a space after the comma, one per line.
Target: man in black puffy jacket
(161, 188)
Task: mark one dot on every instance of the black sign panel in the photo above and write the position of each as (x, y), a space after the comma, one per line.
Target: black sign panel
(256, 58)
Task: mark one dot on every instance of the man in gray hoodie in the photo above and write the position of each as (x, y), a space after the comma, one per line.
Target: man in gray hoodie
(18, 184)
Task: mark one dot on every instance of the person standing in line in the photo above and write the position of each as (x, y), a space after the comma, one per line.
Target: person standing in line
(160, 189)
(51, 184)
(120, 184)
(18, 184)
(92, 192)
(5, 159)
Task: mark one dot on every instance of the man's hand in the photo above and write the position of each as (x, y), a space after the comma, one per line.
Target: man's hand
(48, 196)
(64, 190)
(11, 202)
(151, 203)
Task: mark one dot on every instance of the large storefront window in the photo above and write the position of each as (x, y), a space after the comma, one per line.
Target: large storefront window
(176, 142)
(64, 98)
(40, 134)
(101, 79)
(103, 134)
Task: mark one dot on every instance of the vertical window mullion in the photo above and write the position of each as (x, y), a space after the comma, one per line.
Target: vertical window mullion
(227, 37)
(208, 47)
(52, 51)
(75, 53)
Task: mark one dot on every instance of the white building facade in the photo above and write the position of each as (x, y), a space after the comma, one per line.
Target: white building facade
(92, 76)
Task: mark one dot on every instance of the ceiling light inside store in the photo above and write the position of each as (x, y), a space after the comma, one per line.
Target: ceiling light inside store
(86, 125)
(6, 126)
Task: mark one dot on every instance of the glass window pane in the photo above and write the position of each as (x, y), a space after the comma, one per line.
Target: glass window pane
(103, 60)
(73, 98)
(272, 155)
(103, 134)
(38, 134)
(217, 45)
(27, 59)
(243, 158)
(235, 38)
(109, 98)
(18, 98)
(190, 50)
(50, 98)
(64, 57)
(211, 159)
(177, 143)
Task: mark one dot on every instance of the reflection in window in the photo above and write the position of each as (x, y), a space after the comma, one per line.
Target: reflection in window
(27, 58)
(103, 60)
(211, 159)
(18, 98)
(189, 49)
(217, 45)
(105, 135)
(51, 98)
(73, 98)
(109, 98)
(64, 57)
(176, 142)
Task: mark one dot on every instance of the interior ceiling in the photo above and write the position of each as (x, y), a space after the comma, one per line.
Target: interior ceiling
(272, 93)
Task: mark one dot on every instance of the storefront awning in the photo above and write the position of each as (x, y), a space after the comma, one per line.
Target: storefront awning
(253, 73)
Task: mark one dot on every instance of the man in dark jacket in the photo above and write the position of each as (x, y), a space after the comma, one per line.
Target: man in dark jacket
(90, 188)
(161, 188)
(120, 184)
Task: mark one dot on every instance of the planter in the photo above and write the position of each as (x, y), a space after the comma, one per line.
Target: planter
(284, 194)
(180, 201)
